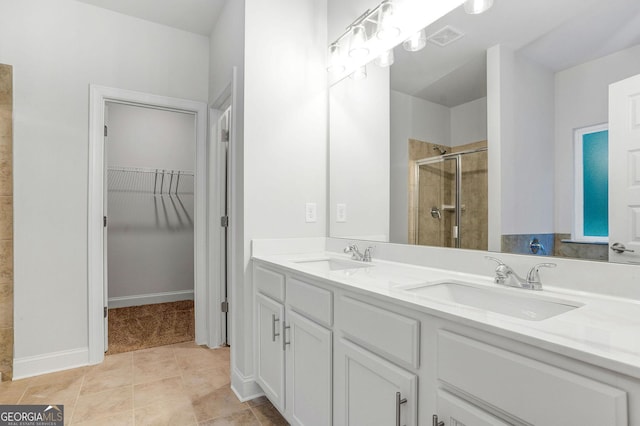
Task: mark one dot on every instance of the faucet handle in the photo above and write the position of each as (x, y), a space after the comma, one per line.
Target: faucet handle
(367, 253)
(533, 277)
(495, 259)
(351, 248)
(502, 270)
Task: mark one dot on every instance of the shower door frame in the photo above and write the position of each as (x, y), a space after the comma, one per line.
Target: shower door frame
(458, 184)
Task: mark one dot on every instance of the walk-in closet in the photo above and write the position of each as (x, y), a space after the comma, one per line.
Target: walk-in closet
(150, 163)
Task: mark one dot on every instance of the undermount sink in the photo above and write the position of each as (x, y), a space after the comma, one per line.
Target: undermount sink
(332, 264)
(528, 306)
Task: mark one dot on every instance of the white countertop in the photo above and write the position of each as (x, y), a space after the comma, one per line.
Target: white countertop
(604, 332)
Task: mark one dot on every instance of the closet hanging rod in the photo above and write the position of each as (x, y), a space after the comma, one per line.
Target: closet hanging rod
(142, 170)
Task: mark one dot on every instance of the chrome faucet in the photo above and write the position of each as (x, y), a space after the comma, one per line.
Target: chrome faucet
(507, 276)
(357, 255)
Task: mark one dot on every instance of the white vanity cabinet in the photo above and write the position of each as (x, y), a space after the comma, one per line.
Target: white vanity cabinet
(521, 389)
(294, 346)
(376, 362)
(331, 354)
(270, 354)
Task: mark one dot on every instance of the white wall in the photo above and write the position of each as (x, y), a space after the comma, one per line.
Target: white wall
(150, 238)
(582, 99)
(520, 140)
(359, 155)
(414, 118)
(469, 122)
(58, 48)
(227, 51)
(150, 138)
(285, 136)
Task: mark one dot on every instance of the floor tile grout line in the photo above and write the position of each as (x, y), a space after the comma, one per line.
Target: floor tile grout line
(75, 402)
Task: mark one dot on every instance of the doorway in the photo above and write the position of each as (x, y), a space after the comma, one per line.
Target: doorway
(149, 205)
(98, 301)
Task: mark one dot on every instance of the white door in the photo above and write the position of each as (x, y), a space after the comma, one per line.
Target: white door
(308, 361)
(624, 171)
(270, 347)
(372, 391)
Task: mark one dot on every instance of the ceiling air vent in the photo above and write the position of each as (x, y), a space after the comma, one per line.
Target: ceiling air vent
(445, 36)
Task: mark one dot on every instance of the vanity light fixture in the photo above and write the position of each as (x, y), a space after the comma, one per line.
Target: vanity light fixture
(475, 7)
(387, 27)
(357, 45)
(416, 42)
(335, 59)
(373, 35)
(385, 59)
(360, 73)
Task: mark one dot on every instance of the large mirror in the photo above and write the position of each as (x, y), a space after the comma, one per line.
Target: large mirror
(492, 137)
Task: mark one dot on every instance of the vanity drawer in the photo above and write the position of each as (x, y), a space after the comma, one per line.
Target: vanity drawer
(311, 301)
(391, 335)
(269, 282)
(527, 389)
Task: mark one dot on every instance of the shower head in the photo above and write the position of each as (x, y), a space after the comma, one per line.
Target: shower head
(440, 149)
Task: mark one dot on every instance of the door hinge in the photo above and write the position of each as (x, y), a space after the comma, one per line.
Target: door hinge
(104, 221)
(224, 306)
(105, 311)
(224, 221)
(224, 137)
(105, 130)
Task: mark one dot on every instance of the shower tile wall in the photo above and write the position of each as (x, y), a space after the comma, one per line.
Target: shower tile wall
(6, 222)
(475, 184)
(437, 188)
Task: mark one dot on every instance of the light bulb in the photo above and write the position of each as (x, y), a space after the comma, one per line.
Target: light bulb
(475, 7)
(359, 74)
(385, 59)
(335, 60)
(416, 41)
(387, 27)
(357, 48)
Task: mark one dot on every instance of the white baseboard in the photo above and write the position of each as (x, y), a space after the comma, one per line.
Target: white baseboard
(244, 387)
(149, 299)
(30, 366)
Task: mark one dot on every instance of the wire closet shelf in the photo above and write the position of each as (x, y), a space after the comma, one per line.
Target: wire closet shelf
(150, 181)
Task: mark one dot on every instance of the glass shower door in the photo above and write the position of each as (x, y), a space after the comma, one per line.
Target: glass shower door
(436, 219)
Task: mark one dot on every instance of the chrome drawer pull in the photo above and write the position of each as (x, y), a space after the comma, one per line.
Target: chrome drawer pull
(273, 327)
(284, 336)
(399, 401)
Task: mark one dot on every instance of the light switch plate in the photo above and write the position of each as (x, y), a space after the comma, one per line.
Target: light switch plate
(311, 212)
(341, 212)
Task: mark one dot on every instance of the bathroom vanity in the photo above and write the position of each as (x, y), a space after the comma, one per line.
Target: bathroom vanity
(347, 342)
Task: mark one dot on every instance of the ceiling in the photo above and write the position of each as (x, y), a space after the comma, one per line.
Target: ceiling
(196, 16)
(556, 34)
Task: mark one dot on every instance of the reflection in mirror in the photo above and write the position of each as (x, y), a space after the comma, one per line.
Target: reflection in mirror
(476, 141)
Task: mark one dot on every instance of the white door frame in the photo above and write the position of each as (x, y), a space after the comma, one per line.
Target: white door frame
(225, 99)
(99, 95)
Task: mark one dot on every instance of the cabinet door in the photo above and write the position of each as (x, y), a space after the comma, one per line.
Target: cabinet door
(366, 389)
(308, 360)
(453, 411)
(270, 354)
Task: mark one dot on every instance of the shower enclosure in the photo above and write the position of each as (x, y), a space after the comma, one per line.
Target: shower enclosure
(450, 193)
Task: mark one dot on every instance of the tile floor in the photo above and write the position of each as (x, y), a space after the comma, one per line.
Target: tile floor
(180, 384)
